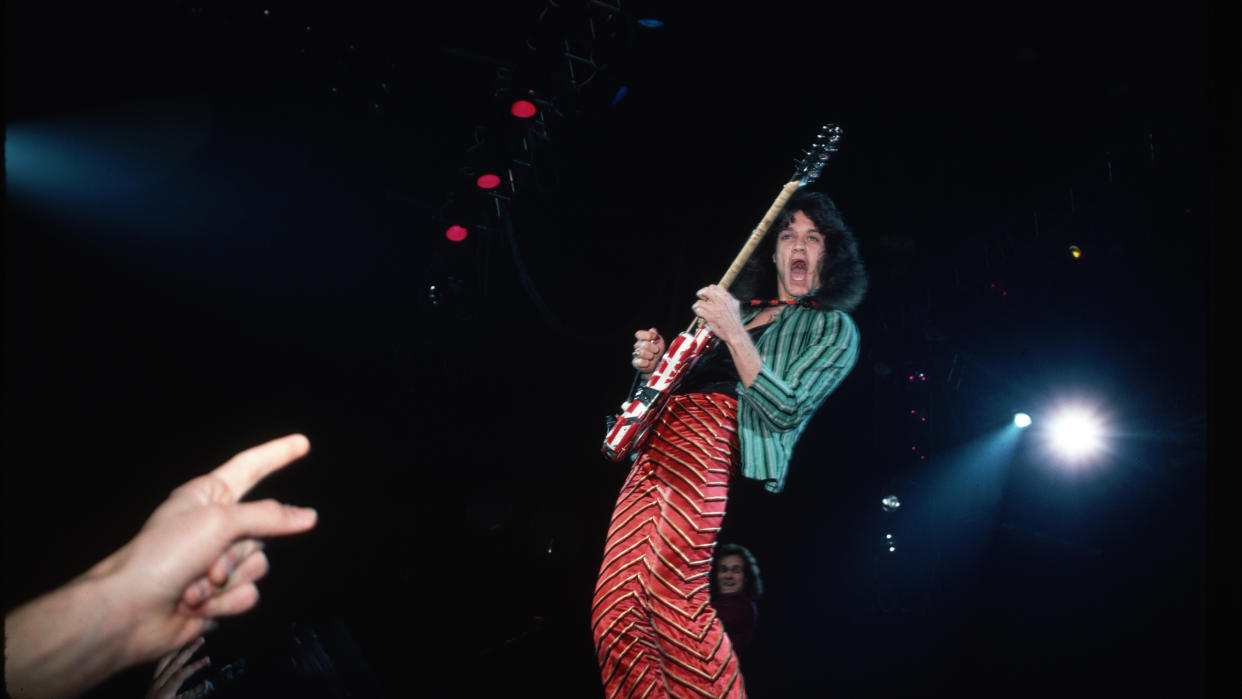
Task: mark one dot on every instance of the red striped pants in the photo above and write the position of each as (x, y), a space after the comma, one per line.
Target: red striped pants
(656, 635)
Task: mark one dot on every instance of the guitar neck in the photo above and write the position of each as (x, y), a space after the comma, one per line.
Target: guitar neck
(751, 243)
(757, 235)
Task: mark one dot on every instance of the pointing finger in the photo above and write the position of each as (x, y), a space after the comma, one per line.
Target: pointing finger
(243, 471)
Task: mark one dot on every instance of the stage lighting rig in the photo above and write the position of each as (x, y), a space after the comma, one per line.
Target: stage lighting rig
(523, 109)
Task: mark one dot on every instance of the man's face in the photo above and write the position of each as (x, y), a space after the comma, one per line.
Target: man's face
(730, 574)
(799, 257)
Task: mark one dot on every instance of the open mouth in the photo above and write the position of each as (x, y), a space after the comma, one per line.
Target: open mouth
(797, 270)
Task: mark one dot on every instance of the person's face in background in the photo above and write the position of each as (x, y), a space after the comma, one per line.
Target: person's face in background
(730, 574)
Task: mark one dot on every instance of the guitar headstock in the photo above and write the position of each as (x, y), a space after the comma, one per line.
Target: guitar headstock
(814, 158)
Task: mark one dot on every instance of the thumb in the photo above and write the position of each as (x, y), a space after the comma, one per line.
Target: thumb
(271, 518)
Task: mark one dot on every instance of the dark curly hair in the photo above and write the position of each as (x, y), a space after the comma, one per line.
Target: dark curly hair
(753, 583)
(842, 273)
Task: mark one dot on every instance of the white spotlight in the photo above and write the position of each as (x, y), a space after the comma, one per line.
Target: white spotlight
(1075, 434)
(1022, 420)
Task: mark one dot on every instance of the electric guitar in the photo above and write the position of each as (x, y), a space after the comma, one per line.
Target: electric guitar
(628, 430)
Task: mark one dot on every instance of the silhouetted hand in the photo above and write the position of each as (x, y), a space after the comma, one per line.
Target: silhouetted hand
(171, 672)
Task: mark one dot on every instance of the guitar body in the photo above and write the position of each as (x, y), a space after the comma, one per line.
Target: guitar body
(640, 413)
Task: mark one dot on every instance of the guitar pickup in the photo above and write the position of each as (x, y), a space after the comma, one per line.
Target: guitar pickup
(646, 395)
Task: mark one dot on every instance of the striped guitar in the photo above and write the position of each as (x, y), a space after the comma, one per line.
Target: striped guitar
(628, 430)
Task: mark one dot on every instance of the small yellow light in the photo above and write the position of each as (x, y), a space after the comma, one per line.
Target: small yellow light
(1075, 252)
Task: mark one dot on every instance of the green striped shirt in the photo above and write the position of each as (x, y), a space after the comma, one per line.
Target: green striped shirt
(806, 353)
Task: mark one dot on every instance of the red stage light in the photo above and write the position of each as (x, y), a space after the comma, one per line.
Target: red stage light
(488, 181)
(522, 109)
(455, 233)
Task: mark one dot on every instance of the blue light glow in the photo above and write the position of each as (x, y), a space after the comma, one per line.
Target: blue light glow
(116, 165)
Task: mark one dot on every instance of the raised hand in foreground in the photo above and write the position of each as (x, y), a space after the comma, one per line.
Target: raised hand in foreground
(196, 558)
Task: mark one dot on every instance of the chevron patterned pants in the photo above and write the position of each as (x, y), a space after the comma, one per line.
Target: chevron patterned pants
(656, 635)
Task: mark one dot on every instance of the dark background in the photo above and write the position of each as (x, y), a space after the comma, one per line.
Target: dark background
(224, 222)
